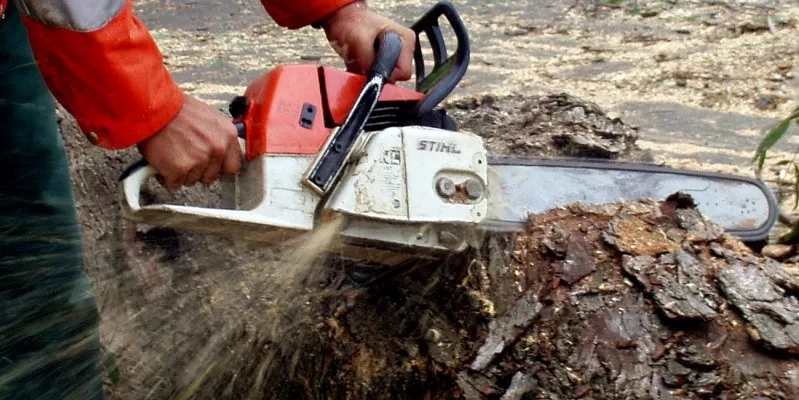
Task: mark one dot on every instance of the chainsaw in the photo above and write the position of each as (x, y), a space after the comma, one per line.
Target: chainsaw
(320, 143)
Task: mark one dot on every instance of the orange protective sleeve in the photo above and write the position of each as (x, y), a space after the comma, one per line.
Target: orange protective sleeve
(300, 13)
(112, 80)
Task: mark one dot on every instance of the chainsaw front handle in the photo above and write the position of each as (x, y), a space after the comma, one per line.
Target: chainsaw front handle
(448, 70)
(388, 48)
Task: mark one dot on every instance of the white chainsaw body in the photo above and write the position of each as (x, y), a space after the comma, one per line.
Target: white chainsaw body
(388, 195)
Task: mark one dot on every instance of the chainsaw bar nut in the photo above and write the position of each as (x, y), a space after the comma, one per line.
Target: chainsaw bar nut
(473, 188)
(445, 187)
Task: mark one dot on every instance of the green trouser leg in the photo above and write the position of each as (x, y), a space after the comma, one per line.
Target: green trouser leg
(49, 347)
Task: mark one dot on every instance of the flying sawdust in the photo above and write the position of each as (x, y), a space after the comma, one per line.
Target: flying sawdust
(305, 258)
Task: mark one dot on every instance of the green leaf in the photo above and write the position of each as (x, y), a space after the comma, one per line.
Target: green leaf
(111, 368)
(772, 138)
(783, 162)
(795, 186)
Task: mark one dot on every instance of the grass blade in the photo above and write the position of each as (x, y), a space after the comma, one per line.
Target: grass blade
(772, 138)
(795, 186)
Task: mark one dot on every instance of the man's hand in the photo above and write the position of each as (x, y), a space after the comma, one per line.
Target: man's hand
(195, 146)
(352, 31)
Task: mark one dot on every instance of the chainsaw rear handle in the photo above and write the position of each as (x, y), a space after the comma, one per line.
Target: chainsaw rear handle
(136, 176)
(143, 163)
(448, 70)
(132, 207)
(242, 224)
(133, 179)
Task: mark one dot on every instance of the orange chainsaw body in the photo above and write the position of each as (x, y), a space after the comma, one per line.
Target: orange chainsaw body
(293, 109)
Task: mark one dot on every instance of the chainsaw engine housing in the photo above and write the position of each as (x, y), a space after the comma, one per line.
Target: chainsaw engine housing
(422, 180)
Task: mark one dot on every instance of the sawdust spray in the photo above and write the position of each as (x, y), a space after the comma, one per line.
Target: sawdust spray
(304, 254)
(302, 261)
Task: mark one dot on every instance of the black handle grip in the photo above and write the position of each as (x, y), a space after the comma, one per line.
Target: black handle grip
(447, 70)
(326, 170)
(388, 47)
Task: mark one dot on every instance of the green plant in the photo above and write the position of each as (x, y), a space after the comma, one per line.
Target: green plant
(769, 140)
(111, 369)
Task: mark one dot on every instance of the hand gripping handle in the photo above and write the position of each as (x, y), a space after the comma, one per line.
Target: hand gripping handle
(143, 163)
(134, 177)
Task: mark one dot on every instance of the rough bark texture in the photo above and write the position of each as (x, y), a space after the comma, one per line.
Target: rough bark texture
(549, 125)
(622, 301)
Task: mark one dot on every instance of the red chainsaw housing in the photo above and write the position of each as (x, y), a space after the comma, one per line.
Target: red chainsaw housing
(277, 101)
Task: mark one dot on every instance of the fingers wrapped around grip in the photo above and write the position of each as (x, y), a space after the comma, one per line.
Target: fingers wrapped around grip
(198, 145)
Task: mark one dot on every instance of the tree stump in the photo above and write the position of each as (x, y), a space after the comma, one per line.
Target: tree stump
(634, 300)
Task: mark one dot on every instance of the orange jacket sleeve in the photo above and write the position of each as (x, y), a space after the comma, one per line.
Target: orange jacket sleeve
(295, 14)
(101, 63)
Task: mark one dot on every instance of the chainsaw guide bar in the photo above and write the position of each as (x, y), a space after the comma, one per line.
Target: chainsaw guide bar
(744, 207)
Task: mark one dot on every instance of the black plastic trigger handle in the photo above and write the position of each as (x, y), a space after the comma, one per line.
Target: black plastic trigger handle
(388, 47)
(326, 170)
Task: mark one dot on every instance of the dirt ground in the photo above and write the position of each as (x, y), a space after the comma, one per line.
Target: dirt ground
(694, 83)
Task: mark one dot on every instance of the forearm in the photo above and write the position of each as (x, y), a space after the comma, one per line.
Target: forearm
(101, 63)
